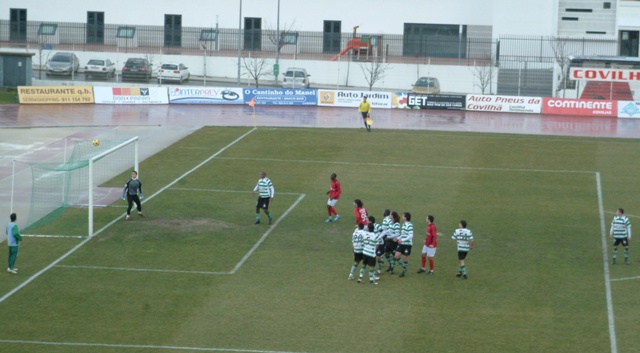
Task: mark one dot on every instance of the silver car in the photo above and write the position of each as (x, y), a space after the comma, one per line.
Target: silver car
(102, 68)
(63, 63)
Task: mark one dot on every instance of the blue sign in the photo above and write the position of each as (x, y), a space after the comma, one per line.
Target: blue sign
(281, 96)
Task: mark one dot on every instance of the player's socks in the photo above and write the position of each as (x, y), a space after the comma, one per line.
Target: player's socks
(392, 263)
(463, 270)
(372, 275)
(361, 272)
(353, 269)
(269, 215)
(431, 264)
(615, 255)
(424, 262)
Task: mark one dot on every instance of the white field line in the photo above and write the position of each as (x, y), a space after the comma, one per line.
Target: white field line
(411, 165)
(233, 191)
(142, 270)
(607, 276)
(53, 236)
(625, 278)
(626, 214)
(266, 234)
(81, 244)
(142, 346)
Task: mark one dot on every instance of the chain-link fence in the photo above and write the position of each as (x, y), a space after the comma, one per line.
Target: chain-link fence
(523, 65)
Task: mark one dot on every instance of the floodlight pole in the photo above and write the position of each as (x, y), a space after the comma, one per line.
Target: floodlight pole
(278, 42)
(239, 43)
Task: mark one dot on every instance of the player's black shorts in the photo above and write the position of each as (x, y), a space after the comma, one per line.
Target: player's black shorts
(380, 250)
(623, 241)
(357, 257)
(263, 202)
(404, 249)
(369, 261)
(390, 245)
(462, 255)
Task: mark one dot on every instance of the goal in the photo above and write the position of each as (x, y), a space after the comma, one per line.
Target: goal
(83, 181)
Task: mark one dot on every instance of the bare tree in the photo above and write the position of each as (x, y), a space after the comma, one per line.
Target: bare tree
(257, 68)
(561, 54)
(373, 71)
(272, 34)
(41, 59)
(484, 72)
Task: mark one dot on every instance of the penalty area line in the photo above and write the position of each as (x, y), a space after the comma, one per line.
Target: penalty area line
(142, 346)
(266, 234)
(143, 270)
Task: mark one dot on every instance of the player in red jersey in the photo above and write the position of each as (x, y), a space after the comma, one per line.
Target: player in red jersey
(430, 245)
(334, 194)
(360, 212)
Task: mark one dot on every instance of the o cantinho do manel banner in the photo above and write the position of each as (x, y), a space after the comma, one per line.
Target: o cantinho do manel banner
(55, 94)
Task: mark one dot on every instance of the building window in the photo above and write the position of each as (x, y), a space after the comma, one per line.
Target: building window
(208, 35)
(606, 5)
(629, 43)
(95, 27)
(47, 29)
(18, 25)
(126, 32)
(331, 31)
(252, 33)
(172, 30)
(438, 40)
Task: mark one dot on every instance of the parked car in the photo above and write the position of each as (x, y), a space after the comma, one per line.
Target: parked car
(173, 72)
(136, 69)
(62, 63)
(426, 85)
(295, 78)
(102, 68)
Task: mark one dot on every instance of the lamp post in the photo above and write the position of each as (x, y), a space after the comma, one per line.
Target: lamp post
(239, 35)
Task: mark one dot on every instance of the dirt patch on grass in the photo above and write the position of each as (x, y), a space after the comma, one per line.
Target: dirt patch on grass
(186, 225)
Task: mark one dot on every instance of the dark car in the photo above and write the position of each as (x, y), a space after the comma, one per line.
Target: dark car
(136, 69)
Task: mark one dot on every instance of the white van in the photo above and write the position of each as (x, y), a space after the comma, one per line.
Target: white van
(295, 78)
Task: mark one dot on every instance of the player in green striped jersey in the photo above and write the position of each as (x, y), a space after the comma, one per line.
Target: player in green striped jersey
(370, 241)
(357, 240)
(266, 190)
(464, 237)
(393, 232)
(405, 243)
(621, 234)
(377, 229)
(386, 221)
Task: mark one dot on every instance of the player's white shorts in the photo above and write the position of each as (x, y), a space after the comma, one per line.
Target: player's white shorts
(332, 202)
(431, 252)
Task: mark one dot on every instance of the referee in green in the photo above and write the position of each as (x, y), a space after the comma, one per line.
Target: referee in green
(266, 191)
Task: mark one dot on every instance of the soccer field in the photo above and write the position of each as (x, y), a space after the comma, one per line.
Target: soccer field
(196, 275)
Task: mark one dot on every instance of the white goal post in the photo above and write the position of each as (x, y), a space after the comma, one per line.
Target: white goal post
(92, 180)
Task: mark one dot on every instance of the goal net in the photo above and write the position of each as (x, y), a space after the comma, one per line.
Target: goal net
(79, 182)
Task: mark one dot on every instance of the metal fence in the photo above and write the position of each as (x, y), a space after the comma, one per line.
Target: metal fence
(526, 64)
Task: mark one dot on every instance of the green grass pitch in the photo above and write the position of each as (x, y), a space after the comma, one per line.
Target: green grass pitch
(197, 275)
